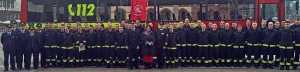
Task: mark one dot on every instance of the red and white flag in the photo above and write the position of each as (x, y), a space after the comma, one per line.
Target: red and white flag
(138, 10)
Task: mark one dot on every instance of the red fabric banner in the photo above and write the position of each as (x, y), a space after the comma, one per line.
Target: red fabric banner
(138, 10)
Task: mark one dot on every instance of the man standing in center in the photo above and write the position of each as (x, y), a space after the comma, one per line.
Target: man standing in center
(133, 39)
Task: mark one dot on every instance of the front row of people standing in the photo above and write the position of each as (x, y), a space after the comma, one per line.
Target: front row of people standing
(184, 46)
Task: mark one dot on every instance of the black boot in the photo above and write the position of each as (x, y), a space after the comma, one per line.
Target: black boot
(287, 68)
(281, 67)
(53, 64)
(183, 64)
(76, 65)
(146, 65)
(108, 65)
(271, 66)
(248, 65)
(71, 64)
(294, 67)
(276, 64)
(256, 65)
(264, 66)
(236, 64)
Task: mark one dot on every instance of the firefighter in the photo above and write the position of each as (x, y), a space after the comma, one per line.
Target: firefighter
(31, 49)
(286, 36)
(222, 25)
(214, 43)
(209, 26)
(40, 36)
(239, 40)
(139, 26)
(116, 28)
(100, 42)
(133, 39)
(9, 42)
(263, 25)
(91, 47)
(86, 28)
(282, 24)
(22, 32)
(181, 44)
(297, 48)
(277, 26)
(270, 41)
(68, 48)
(121, 48)
(277, 50)
(248, 25)
(160, 45)
(226, 44)
(203, 50)
(59, 39)
(192, 45)
(74, 28)
(80, 43)
(110, 42)
(234, 27)
(50, 46)
(171, 46)
(186, 24)
(199, 23)
(296, 24)
(14, 25)
(254, 42)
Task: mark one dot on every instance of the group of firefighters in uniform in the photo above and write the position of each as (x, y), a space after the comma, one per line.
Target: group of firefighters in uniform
(191, 44)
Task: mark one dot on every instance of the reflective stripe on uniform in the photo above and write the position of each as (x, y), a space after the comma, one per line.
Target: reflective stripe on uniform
(178, 45)
(297, 44)
(250, 44)
(269, 45)
(64, 47)
(112, 46)
(53, 46)
(282, 63)
(290, 47)
(195, 44)
(123, 46)
(70, 47)
(46, 46)
(238, 46)
(265, 45)
(282, 47)
(106, 46)
(272, 45)
(183, 44)
(286, 47)
(297, 63)
(189, 44)
(217, 45)
(201, 45)
(172, 48)
(226, 45)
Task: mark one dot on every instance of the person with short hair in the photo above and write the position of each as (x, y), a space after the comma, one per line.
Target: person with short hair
(9, 42)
